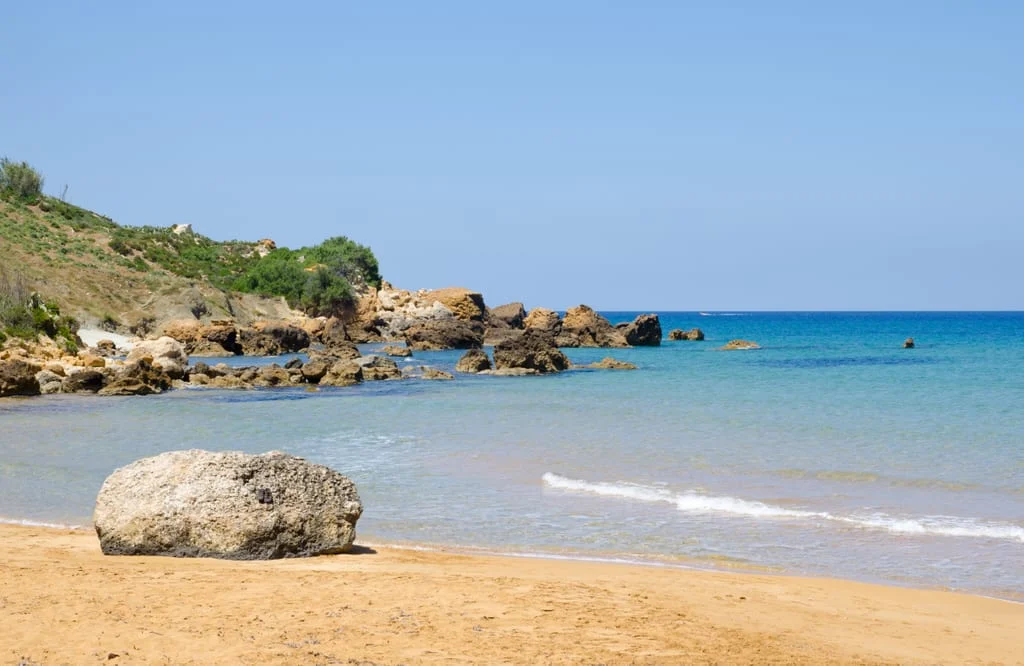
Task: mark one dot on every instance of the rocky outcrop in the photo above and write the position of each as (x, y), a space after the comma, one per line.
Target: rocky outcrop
(345, 372)
(510, 315)
(378, 368)
(165, 353)
(694, 334)
(445, 334)
(18, 377)
(272, 339)
(49, 381)
(582, 327)
(434, 373)
(545, 320)
(473, 361)
(739, 345)
(140, 377)
(610, 363)
(533, 350)
(227, 505)
(395, 350)
(644, 331)
(908, 343)
(463, 303)
(106, 348)
(84, 381)
(198, 339)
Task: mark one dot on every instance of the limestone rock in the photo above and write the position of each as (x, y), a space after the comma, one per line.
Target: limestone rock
(510, 372)
(395, 350)
(644, 331)
(473, 361)
(316, 367)
(272, 339)
(49, 382)
(445, 334)
(679, 334)
(227, 505)
(512, 315)
(84, 381)
(18, 377)
(434, 373)
(739, 344)
(166, 353)
(343, 373)
(543, 319)
(533, 350)
(106, 348)
(139, 377)
(464, 304)
(610, 363)
(378, 368)
(583, 327)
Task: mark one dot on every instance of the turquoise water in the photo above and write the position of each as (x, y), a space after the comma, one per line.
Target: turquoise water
(831, 451)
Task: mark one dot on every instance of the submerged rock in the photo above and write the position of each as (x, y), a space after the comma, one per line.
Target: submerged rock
(395, 350)
(739, 345)
(434, 373)
(473, 361)
(227, 505)
(610, 363)
(533, 350)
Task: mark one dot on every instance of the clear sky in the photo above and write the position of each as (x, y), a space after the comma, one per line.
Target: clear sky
(648, 155)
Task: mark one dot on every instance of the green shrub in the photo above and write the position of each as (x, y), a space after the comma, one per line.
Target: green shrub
(19, 180)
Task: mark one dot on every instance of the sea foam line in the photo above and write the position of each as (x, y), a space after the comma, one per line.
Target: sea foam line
(690, 502)
(38, 523)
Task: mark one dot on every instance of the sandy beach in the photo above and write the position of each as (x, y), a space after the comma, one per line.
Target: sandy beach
(63, 602)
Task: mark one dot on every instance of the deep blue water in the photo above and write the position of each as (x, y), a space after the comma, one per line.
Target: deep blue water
(830, 451)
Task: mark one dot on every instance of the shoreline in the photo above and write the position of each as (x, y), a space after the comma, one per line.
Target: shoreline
(63, 601)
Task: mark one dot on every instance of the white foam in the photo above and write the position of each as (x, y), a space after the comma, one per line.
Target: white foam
(37, 523)
(690, 502)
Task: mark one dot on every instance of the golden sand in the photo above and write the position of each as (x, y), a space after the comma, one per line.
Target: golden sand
(63, 602)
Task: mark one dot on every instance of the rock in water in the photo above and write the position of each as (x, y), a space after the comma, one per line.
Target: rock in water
(739, 345)
(473, 361)
(694, 334)
(533, 350)
(644, 331)
(165, 353)
(229, 505)
(18, 377)
(444, 334)
(908, 343)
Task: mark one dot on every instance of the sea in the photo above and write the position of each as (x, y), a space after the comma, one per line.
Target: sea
(831, 451)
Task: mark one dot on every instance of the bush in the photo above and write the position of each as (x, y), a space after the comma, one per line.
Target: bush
(20, 180)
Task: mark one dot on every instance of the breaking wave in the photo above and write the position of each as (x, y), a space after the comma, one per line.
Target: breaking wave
(691, 502)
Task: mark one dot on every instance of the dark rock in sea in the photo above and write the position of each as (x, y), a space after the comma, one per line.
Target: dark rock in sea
(511, 315)
(272, 375)
(84, 381)
(272, 339)
(226, 505)
(434, 334)
(533, 350)
(294, 364)
(345, 372)
(316, 367)
(583, 327)
(644, 331)
(18, 377)
(473, 361)
(908, 343)
(694, 334)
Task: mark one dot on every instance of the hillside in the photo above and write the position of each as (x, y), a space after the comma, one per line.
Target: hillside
(126, 277)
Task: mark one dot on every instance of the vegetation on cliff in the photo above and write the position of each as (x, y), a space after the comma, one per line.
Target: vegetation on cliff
(90, 263)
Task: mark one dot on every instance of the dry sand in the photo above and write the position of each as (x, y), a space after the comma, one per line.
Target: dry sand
(62, 601)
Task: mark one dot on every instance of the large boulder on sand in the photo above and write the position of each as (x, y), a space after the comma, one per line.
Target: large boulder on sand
(433, 334)
(18, 377)
(165, 353)
(582, 327)
(228, 505)
(644, 331)
(533, 350)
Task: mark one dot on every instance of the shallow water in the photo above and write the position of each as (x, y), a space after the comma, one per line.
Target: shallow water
(832, 451)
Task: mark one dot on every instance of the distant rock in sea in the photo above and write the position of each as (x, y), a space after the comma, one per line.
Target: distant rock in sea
(473, 361)
(644, 331)
(534, 350)
(226, 505)
(739, 345)
(908, 343)
(610, 363)
(694, 334)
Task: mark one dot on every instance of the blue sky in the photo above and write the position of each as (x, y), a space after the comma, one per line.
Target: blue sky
(653, 155)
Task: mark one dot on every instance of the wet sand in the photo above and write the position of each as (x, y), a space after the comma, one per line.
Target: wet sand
(63, 602)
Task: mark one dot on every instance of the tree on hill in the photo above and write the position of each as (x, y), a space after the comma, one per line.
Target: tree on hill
(19, 180)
